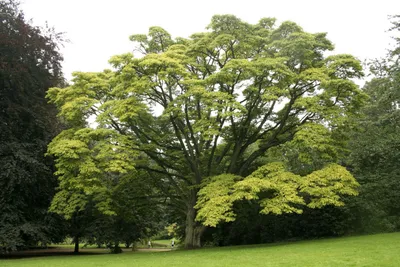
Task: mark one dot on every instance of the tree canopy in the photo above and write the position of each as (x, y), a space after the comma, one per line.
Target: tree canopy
(29, 65)
(375, 145)
(202, 113)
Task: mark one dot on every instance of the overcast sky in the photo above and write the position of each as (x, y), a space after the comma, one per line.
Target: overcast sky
(99, 29)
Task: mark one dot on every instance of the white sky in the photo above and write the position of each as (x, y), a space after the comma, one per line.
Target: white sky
(99, 29)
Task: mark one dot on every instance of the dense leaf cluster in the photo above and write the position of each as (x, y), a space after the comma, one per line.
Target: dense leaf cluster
(376, 145)
(29, 65)
(276, 190)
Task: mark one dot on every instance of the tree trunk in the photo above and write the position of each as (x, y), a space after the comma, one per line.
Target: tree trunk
(76, 241)
(193, 230)
(116, 249)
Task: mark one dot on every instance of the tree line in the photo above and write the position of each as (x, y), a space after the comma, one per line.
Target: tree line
(246, 133)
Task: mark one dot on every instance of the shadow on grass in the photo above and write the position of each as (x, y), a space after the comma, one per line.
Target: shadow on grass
(60, 251)
(51, 251)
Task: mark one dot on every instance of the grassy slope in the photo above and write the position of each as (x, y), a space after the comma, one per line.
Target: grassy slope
(374, 250)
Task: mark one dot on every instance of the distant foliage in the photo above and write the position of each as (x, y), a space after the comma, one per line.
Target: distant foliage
(376, 146)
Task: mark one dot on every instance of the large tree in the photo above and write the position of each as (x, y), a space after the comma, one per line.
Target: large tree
(203, 111)
(376, 146)
(29, 65)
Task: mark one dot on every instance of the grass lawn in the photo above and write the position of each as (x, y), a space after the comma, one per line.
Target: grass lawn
(373, 250)
(154, 243)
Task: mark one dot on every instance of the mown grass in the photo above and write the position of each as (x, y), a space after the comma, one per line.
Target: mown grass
(373, 250)
(154, 243)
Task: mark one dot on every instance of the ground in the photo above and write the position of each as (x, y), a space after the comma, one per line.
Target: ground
(65, 251)
(372, 250)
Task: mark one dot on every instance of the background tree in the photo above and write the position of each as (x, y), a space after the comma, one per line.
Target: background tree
(201, 112)
(376, 146)
(29, 65)
(137, 215)
(307, 152)
(100, 192)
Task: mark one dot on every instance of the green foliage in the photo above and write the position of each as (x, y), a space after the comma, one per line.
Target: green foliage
(213, 105)
(89, 163)
(279, 185)
(171, 229)
(376, 145)
(314, 139)
(215, 200)
(100, 192)
(276, 190)
(29, 65)
(326, 186)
